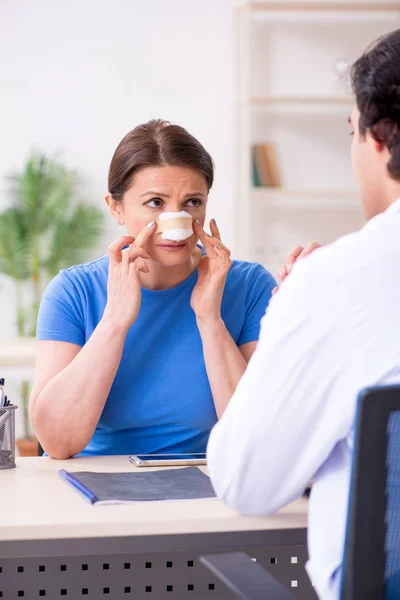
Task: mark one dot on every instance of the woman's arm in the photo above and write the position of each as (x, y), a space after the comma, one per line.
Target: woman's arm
(71, 383)
(225, 362)
(71, 387)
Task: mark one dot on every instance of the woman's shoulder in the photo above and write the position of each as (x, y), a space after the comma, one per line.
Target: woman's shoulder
(250, 281)
(68, 300)
(247, 293)
(81, 277)
(249, 272)
(99, 266)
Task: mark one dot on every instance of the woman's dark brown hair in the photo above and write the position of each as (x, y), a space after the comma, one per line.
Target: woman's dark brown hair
(156, 143)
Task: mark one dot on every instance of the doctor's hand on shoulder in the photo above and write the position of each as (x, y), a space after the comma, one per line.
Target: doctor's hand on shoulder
(296, 254)
(124, 289)
(213, 270)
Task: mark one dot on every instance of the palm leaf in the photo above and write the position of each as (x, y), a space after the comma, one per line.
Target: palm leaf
(44, 230)
(14, 248)
(72, 237)
(43, 190)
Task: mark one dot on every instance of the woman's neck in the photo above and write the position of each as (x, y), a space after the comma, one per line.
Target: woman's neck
(163, 278)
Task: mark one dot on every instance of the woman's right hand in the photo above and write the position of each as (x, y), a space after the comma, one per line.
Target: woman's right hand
(124, 288)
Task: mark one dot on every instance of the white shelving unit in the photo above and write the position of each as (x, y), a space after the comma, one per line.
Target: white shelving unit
(289, 93)
(313, 199)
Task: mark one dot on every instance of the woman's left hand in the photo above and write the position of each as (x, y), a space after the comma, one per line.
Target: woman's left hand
(213, 270)
(296, 254)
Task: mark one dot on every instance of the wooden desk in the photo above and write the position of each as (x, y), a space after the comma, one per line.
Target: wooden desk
(53, 543)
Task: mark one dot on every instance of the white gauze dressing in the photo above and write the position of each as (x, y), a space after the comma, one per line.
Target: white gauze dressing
(175, 226)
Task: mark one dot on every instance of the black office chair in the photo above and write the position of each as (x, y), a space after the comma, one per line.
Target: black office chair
(371, 562)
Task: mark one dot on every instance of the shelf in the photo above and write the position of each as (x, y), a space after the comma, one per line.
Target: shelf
(20, 352)
(322, 11)
(313, 199)
(301, 105)
(301, 100)
(283, 5)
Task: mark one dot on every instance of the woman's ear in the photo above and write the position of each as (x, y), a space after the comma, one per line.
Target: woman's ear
(115, 209)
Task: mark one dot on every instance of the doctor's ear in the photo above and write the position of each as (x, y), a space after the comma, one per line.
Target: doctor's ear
(115, 209)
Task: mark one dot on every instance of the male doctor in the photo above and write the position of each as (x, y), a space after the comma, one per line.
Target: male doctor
(332, 330)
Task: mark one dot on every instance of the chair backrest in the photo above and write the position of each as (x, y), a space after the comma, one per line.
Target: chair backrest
(371, 565)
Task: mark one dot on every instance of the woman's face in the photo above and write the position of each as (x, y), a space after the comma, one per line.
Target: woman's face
(155, 190)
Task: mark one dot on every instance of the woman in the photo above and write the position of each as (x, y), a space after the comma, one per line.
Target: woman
(141, 350)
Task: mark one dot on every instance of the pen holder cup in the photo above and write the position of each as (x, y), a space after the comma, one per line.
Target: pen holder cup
(7, 437)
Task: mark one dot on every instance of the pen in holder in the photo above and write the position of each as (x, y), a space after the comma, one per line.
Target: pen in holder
(7, 437)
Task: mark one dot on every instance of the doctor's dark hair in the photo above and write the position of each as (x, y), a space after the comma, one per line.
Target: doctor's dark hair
(376, 84)
(156, 143)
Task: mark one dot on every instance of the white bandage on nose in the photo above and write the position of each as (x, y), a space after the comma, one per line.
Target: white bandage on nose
(175, 226)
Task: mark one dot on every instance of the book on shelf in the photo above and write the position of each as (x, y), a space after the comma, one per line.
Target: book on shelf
(266, 172)
(256, 179)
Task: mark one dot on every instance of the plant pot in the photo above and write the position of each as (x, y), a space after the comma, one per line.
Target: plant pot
(27, 447)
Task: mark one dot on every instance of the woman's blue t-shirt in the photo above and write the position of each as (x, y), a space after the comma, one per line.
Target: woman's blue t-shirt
(161, 399)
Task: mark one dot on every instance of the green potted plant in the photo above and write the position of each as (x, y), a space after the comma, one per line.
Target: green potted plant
(44, 229)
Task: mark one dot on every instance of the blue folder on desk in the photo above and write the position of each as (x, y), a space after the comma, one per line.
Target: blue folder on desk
(119, 488)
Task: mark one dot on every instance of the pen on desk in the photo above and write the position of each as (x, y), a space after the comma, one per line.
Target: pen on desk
(3, 398)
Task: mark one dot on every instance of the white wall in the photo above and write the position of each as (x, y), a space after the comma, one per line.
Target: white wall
(79, 74)
(76, 75)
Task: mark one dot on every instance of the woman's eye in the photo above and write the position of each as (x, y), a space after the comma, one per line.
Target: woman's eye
(351, 133)
(155, 203)
(194, 202)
